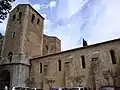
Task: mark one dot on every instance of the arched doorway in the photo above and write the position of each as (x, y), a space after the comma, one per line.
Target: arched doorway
(4, 79)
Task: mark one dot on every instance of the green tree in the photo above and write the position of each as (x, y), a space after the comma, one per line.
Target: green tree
(5, 7)
(1, 36)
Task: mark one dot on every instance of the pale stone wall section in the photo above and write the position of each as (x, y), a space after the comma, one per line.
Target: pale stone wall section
(51, 45)
(74, 57)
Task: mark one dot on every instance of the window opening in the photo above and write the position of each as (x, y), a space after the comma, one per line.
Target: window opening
(40, 67)
(112, 53)
(59, 65)
(83, 61)
(38, 21)
(33, 17)
(10, 55)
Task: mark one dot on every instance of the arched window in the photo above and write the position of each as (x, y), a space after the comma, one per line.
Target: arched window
(33, 17)
(112, 54)
(59, 65)
(14, 16)
(46, 49)
(10, 55)
(5, 77)
(20, 15)
(18, 9)
(38, 21)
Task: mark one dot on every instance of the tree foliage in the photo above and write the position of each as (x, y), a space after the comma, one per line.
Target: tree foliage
(1, 36)
(5, 7)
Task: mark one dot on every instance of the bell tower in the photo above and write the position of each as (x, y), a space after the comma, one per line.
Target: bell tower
(23, 40)
(24, 33)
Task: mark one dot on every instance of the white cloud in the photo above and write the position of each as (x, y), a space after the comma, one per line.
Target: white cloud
(14, 4)
(75, 5)
(36, 7)
(101, 19)
(107, 26)
(44, 15)
(52, 4)
(3, 26)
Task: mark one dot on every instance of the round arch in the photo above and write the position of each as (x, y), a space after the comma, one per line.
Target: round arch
(10, 55)
(4, 79)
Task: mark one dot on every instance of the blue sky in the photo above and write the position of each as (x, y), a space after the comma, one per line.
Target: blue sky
(72, 20)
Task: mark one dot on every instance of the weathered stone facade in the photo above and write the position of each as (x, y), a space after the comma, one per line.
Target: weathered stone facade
(31, 58)
(51, 45)
(71, 65)
(1, 42)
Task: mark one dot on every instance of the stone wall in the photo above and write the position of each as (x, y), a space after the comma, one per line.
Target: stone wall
(18, 73)
(51, 45)
(24, 35)
(1, 42)
(23, 39)
(34, 33)
(71, 65)
(13, 32)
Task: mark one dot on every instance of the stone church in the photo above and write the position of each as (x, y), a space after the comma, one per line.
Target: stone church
(30, 58)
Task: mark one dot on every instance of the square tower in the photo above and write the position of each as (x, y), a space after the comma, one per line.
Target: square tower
(24, 33)
(23, 40)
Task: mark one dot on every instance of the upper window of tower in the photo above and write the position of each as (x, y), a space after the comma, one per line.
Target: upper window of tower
(38, 21)
(14, 16)
(46, 49)
(18, 9)
(20, 15)
(33, 17)
(10, 54)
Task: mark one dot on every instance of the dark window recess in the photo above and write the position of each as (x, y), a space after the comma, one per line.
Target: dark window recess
(67, 62)
(40, 67)
(94, 59)
(112, 53)
(33, 17)
(81, 89)
(46, 48)
(14, 16)
(20, 15)
(38, 21)
(59, 65)
(17, 9)
(10, 55)
(83, 61)
(85, 88)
